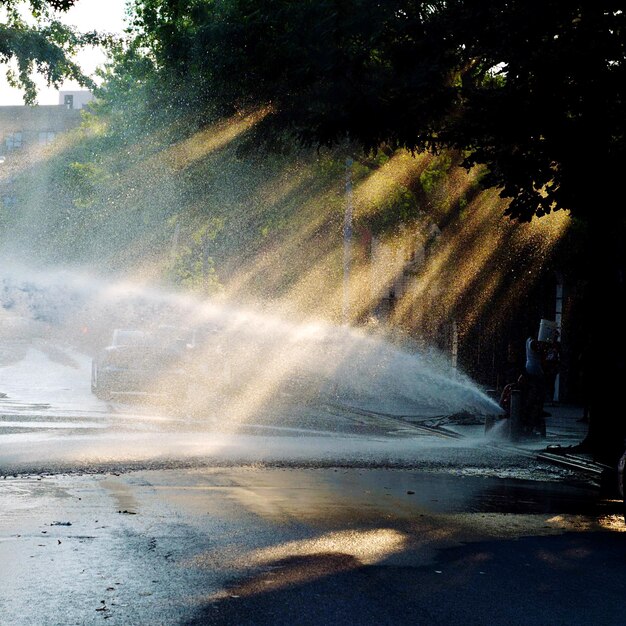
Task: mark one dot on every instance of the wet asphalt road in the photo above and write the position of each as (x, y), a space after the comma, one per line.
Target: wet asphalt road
(310, 515)
(306, 546)
(124, 513)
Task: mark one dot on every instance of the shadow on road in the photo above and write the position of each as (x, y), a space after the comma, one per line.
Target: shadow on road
(566, 579)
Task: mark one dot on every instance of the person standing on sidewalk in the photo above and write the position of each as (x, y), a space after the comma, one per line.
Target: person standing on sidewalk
(535, 391)
(551, 364)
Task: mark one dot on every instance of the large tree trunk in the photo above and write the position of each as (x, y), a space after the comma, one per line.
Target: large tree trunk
(604, 364)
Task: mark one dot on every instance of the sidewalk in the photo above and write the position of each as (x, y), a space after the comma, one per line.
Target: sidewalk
(563, 427)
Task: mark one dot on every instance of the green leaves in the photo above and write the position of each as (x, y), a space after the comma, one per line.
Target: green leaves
(524, 88)
(41, 45)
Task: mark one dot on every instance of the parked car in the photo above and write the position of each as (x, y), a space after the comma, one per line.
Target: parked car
(139, 362)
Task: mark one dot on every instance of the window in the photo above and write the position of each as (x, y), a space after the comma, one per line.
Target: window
(9, 201)
(46, 137)
(14, 140)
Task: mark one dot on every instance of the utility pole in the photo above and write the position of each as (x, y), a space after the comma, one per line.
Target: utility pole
(347, 242)
(455, 346)
(174, 246)
(206, 257)
(558, 318)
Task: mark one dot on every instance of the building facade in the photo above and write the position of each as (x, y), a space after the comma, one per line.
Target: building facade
(24, 129)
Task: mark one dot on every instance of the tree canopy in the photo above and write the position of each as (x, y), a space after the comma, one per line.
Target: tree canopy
(34, 40)
(532, 90)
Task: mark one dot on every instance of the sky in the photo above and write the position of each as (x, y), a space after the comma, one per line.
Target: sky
(101, 15)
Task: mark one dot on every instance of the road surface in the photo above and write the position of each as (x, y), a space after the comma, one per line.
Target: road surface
(132, 513)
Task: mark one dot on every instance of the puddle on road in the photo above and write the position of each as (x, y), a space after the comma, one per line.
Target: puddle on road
(122, 493)
(329, 499)
(411, 492)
